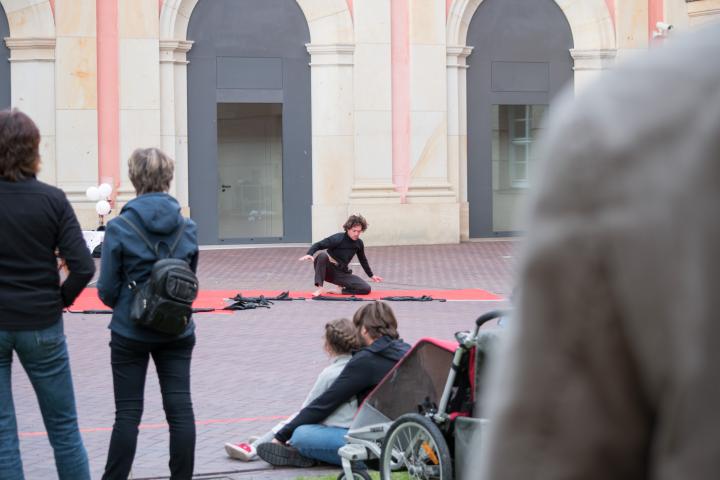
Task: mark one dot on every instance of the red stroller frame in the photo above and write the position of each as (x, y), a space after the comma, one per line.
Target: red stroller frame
(407, 422)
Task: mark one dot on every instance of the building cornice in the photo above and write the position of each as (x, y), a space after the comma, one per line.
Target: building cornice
(31, 49)
(331, 54)
(595, 59)
(174, 51)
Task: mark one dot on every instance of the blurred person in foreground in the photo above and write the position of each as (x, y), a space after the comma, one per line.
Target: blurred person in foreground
(36, 221)
(613, 363)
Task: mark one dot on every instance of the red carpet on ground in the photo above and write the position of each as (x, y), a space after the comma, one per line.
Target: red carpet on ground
(88, 299)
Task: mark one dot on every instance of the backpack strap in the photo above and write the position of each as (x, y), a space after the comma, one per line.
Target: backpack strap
(181, 229)
(152, 247)
(141, 235)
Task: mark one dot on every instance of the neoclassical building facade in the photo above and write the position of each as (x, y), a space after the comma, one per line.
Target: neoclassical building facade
(284, 116)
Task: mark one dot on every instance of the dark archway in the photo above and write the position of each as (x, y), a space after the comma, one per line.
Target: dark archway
(5, 98)
(249, 114)
(519, 62)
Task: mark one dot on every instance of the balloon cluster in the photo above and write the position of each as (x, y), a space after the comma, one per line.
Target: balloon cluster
(100, 194)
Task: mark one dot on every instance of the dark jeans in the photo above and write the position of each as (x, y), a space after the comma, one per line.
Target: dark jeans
(129, 360)
(43, 354)
(326, 271)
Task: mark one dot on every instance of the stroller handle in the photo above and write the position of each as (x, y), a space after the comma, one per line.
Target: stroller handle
(491, 315)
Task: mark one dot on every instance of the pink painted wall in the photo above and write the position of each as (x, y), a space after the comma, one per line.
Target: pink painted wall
(52, 6)
(447, 7)
(655, 14)
(400, 59)
(350, 6)
(108, 92)
(611, 7)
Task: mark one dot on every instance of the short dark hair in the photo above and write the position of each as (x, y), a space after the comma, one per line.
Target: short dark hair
(378, 319)
(354, 220)
(19, 146)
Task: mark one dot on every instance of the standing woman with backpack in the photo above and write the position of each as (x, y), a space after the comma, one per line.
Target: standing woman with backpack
(35, 221)
(152, 219)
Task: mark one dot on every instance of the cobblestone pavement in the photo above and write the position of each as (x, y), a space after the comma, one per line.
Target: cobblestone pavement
(250, 367)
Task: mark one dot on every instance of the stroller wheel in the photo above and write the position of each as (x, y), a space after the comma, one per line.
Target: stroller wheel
(415, 444)
(357, 475)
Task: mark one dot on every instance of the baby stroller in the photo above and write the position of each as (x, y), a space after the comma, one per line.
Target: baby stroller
(423, 413)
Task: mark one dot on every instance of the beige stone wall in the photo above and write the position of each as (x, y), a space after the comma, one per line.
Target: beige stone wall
(701, 12)
(139, 82)
(54, 78)
(76, 103)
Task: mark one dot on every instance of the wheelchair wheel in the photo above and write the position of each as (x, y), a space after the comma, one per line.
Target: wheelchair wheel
(357, 475)
(415, 444)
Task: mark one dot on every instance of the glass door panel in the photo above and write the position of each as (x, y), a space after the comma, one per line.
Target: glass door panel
(249, 170)
(515, 131)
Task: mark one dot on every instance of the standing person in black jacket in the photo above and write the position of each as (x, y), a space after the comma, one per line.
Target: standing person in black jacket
(332, 264)
(304, 440)
(36, 220)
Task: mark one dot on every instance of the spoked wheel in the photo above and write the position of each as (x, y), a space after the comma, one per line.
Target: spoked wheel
(357, 475)
(415, 444)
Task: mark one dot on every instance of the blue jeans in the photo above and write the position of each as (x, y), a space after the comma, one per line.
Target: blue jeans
(43, 354)
(129, 360)
(319, 442)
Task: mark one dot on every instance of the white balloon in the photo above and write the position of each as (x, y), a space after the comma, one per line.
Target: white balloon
(105, 190)
(102, 207)
(93, 193)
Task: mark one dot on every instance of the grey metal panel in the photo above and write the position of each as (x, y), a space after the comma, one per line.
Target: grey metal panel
(4, 62)
(261, 73)
(520, 76)
(202, 149)
(275, 30)
(235, 95)
(514, 31)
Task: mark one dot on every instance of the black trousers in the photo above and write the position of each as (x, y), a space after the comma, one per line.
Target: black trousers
(326, 271)
(129, 360)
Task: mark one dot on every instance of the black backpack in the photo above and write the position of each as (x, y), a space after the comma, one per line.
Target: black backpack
(164, 302)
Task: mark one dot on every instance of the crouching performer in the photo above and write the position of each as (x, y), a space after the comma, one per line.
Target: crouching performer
(336, 253)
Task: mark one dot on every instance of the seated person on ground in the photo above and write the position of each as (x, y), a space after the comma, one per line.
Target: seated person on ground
(340, 341)
(304, 440)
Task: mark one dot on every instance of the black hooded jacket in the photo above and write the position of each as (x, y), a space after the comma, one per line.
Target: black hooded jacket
(362, 373)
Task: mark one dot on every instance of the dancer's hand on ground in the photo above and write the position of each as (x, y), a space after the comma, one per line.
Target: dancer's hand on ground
(305, 258)
(376, 278)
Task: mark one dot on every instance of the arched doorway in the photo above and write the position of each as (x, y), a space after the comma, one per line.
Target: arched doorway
(4, 61)
(520, 61)
(249, 122)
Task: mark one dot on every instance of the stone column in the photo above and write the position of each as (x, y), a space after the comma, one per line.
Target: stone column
(32, 77)
(332, 135)
(173, 113)
(139, 82)
(428, 101)
(373, 103)
(457, 130)
(76, 104)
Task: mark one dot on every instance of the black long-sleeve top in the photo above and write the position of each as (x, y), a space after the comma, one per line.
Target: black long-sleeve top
(35, 220)
(361, 374)
(342, 249)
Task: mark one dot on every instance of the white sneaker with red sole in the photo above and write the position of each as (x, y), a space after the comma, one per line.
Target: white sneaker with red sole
(241, 451)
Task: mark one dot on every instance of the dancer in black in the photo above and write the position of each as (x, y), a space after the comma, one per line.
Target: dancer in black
(331, 265)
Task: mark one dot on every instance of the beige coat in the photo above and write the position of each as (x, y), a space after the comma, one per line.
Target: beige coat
(613, 365)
